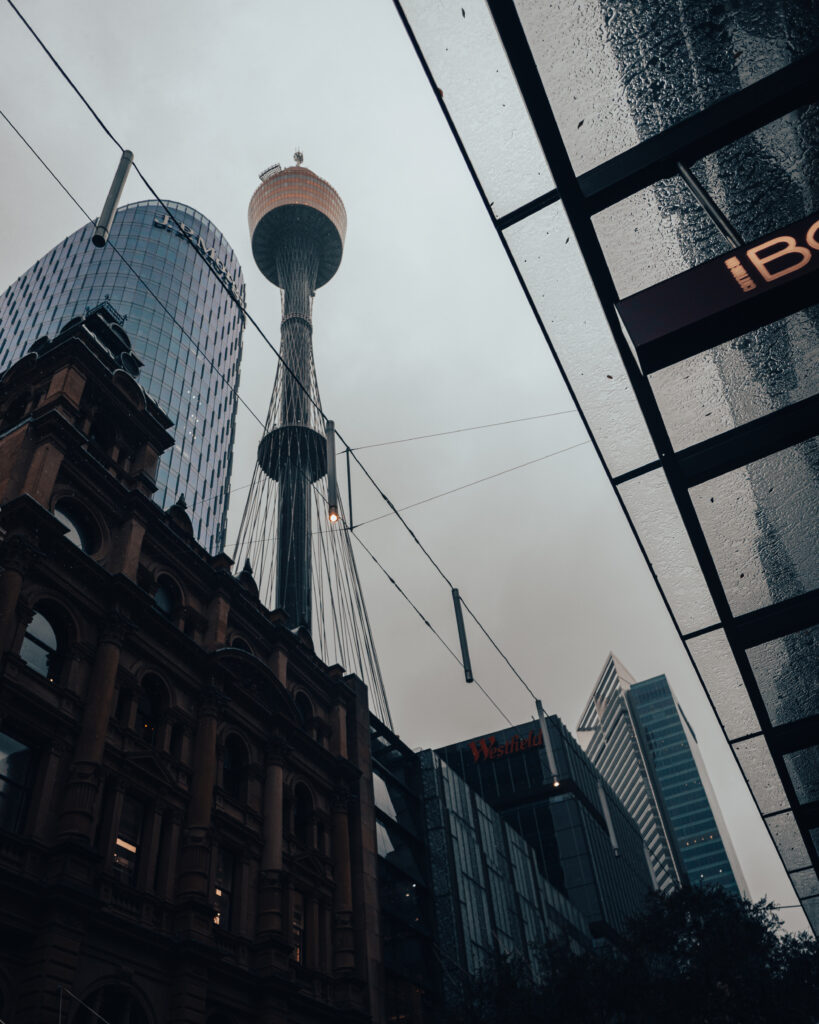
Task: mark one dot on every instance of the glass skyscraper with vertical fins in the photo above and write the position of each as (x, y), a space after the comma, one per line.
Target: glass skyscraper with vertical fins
(183, 324)
(638, 738)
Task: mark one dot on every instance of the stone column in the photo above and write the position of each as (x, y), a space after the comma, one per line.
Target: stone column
(312, 927)
(270, 883)
(16, 557)
(82, 790)
(194, 877)
(168, 849)
(150, 848)
(343, 934)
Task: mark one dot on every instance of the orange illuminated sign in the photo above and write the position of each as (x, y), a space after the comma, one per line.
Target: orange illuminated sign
(728, 296)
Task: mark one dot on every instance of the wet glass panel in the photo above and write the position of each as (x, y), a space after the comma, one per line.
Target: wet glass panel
(470, 68)
(785, 834)
(787, 674)
(741, 380)
(803, 768)
(758, 768)
(714, 658)
(805, 882)
(758, 523)
(657, 519)
(617, 74)
(811, 908)
(547, 255)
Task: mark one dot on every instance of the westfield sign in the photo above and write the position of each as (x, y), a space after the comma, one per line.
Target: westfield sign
(737, 292)
(488, 749)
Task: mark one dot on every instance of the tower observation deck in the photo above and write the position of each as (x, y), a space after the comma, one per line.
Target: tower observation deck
(305, 568)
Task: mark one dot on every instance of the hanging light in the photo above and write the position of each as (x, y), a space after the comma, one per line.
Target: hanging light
(332, 489)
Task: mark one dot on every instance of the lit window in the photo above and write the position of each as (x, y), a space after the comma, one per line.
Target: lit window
(223, 889)
(39, 649)
(126, 845)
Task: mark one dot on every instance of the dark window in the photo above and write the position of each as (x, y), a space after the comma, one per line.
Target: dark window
(225, 871)
(240, 643)
(40, 649)
(114, 1004)
(165, 597)
(149, 709)
(297, 924)
(234, 766)
(82, 530)
(177, 738)
(304, 708)
(16, 774)
(129, 835)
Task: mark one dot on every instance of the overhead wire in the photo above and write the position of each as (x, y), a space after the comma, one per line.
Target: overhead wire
(241, 306)
(463, 430)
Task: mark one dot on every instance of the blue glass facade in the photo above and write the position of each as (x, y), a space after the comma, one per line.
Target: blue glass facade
(606, 877)
(683, 799)
(191, 349)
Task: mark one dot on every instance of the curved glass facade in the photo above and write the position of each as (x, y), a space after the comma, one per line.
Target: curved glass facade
(190, 349)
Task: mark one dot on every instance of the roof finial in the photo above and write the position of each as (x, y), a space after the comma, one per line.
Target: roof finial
(298, 156)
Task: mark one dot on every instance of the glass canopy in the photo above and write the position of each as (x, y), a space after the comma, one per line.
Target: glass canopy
(601, 138)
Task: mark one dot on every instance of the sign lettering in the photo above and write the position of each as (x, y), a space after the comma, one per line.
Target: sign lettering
(238, 292)
(487, 748)
(725, 297)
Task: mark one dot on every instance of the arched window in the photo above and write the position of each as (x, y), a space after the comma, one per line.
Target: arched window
(82, 530)
(240, 644)
(115, 1004)
(40, 647)
(166, 597)
(149, 711)
(304, 709)
(302, 814)
(234, 768)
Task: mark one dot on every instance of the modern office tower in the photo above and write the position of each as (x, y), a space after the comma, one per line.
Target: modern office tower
(291, 530)
(412, 965)
(490, 895)
(637, 737)
(184, 327)
(458, 886)
(633, 158)
(584, 841)
(608, 734)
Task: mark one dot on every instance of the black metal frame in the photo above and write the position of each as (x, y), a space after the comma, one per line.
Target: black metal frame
(583, 196)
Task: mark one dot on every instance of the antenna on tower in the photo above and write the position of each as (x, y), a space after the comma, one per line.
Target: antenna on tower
(298, 156)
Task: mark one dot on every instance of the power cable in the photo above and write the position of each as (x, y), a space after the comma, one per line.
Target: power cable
(428, 624)
(463, 430)
(249, 317)
(463, 487)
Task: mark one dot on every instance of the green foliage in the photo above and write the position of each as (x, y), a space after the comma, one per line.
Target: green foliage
(696, 955)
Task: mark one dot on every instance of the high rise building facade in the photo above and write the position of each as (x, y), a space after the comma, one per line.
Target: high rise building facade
(585, 843)
(638, 738)
(704, 851)
(184, 327)
(608, 734)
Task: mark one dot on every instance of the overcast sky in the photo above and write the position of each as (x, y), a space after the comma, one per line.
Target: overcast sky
(423, 329)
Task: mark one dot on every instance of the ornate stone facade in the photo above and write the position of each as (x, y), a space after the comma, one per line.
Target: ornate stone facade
(187, 831)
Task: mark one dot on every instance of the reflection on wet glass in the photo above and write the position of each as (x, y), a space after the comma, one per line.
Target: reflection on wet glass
(787, 674)
(757, 521)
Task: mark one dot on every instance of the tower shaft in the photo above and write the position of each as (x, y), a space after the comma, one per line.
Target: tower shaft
(297, 265)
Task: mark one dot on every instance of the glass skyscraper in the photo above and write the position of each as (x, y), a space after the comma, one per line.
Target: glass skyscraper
(638, 738)
(668, 743)
(190, 349)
